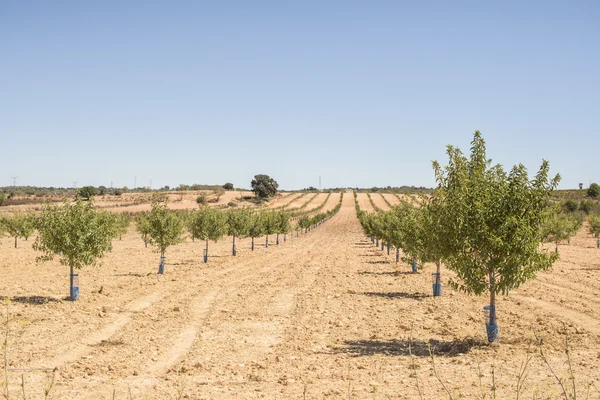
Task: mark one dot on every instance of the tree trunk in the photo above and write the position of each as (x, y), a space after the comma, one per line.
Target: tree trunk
(493, 335)
(233, 248)
(206, 252)
(253, 243)
(277, 240)
(15, 242)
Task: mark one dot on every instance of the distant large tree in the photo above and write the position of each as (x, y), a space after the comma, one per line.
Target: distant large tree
(228, 186)
(594, 190)
(86, 192)
(264, 186)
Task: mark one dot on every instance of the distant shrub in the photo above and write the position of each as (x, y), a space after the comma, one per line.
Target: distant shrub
(587, 206)
(231, 204)
(228, 186)
(570, 206)
(201, 200)
(118, 192)
(2, 199)
(594, 190)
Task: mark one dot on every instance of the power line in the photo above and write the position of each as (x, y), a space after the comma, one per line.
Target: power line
(14, 179)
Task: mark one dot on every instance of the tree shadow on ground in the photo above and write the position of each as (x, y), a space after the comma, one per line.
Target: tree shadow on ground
(31, 299)
(395, 295)
(379, 262)
(391, 273)
(418, 348)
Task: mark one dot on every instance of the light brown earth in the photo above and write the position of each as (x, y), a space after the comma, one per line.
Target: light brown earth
(363, 202)
(322, 316)
(379, 201)
(299, 201)
(391, 198)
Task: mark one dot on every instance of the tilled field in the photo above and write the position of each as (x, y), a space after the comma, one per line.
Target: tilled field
(323, 315)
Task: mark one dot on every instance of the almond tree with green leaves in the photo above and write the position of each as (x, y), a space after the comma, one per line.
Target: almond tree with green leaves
(283, 224)
(19, 225)
(257, 226)
(206, 224)
(77, 233)
(165, 228)
(142, 225)
(594, 227)
(270, 225)
(559, 227)
(433, 241)
(238, 223)
(123, 221)
(491, 223)
(413, 240)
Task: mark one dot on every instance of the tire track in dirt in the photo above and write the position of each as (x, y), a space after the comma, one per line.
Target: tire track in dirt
(202, 307)
(576, 317)
(72, 352)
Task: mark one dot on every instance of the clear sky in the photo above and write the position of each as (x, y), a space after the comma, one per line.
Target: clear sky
(362, 93)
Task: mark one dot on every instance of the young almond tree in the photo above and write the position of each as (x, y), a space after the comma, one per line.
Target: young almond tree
(270, 225)
(257, 226)
(413, 233)
(165, 229)
(433, 241)
(207, 224)
(560, 227)
(238, 223)
(19, 225)
(142, 225)
(491, 223)
(123, 222)
(594, 221)
(76, 232)
(283, 224)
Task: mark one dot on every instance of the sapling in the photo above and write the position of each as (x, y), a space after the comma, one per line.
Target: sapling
(491, 223)
(270, 225)
(559, 227)
(19, 225)
(594, 226)
(283, 224)
(142, 225)
(257, 226)
(207, 224)
(165, 228)
(80, 234)
(238, 223)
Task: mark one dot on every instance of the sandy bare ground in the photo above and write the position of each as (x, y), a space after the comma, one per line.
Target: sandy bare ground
(299, 201)
(317, 201)
(283, 199)
(324, 315)
(391, 198)
(333, 201)
(379, 201)
(363, 202)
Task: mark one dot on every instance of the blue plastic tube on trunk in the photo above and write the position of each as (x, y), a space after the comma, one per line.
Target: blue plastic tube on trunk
(491, 328)
(161, 266)
(74, 287)
(436, 284)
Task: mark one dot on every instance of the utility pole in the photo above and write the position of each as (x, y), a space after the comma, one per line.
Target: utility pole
(75, 184)
(111, 184)
(319, 182)
(150, 183)
(134, 182)
(14, 179)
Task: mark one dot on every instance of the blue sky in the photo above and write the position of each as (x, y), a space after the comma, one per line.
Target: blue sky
(360, 93)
